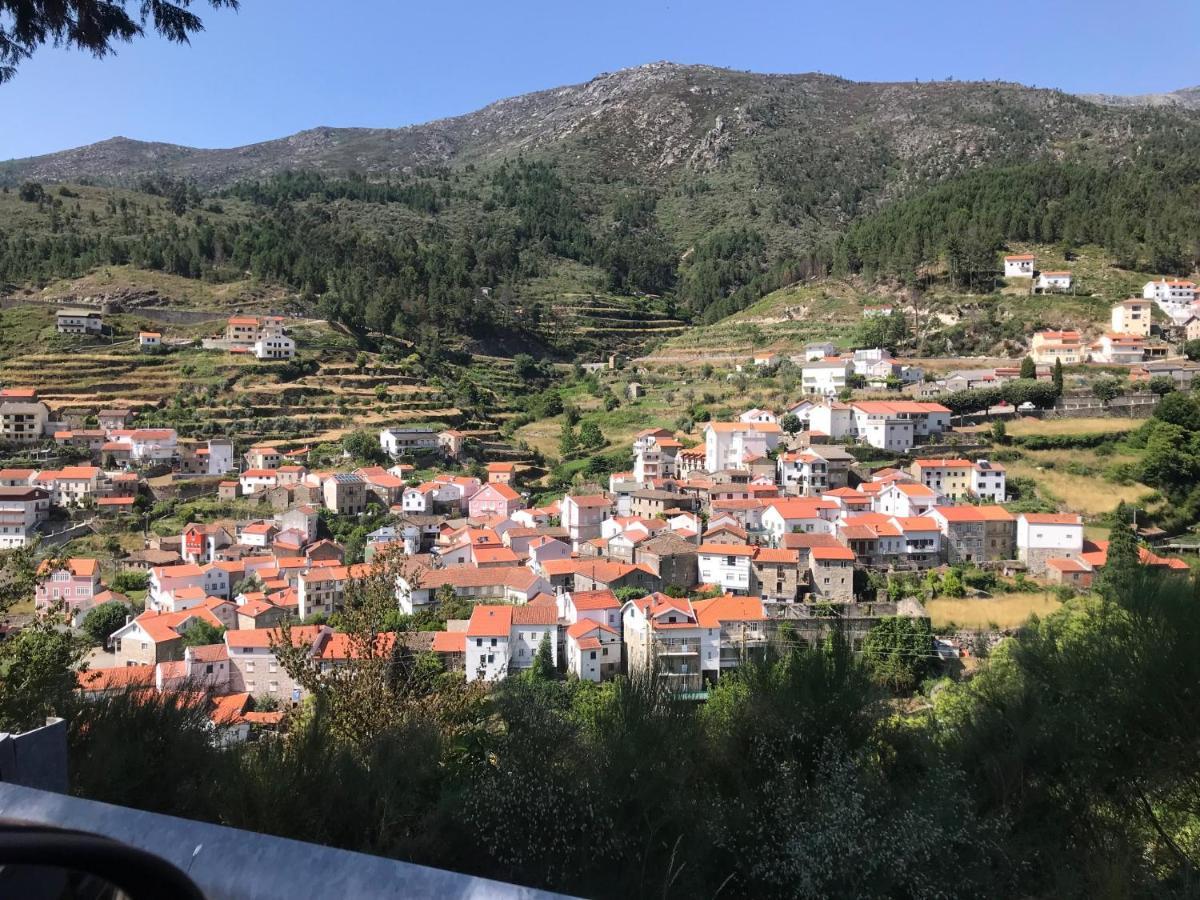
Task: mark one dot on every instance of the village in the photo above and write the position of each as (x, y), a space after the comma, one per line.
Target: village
(688, 563)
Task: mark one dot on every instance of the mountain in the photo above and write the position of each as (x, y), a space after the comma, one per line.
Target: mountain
(1184, 98)
(661, 119)
(607, 215)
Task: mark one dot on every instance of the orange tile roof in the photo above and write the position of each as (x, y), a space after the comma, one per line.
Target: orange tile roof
(591, 600)
(490, 621)
(1052, 518)
(828, 554)
(712, 613)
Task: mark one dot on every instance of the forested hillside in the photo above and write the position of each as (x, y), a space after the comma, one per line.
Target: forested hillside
(561, 222)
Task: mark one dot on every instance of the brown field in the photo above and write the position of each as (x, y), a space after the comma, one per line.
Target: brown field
(1003, 611)
(1023, 427)
(1087, 495)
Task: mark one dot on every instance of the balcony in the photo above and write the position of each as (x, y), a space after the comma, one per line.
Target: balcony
(676, 648)
(683, 682)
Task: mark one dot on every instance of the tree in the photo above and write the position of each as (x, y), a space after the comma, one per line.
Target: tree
(1058, 376)
(791, 423)
(590, 435)
(37, 672)
(129, 580)
(543, 661)
(201, 633)
(898, 649)
(1162, 385)
(1191, 350)
(1028, 368)
(999, 432)
(1180, 409)
(1107, 389)
(101, 621)
(568, 442)
(89, 26)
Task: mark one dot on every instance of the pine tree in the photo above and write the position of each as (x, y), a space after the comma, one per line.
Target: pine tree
(1058, 376)
(1123, 562)
(1028, 368)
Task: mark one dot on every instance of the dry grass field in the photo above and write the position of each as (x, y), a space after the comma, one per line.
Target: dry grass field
(1090, 496)
(1023, 427)
(1001, 611)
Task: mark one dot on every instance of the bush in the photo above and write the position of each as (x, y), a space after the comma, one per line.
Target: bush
(101, 621)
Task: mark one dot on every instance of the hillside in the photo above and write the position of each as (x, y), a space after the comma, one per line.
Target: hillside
(608, 216)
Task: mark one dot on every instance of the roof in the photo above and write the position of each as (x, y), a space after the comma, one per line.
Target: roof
(594, 600)
(712, 613)
(776, 555)
(541, 614)
(829, 554)
(1052, 518)
(490, 621)
(115, 678)
(1020, 256)
(731, 427)
(77, 566)
(262, 638)
(587, 626)
(915, 523)
(1067, 565)
(968, 513)
(726, 549)
(589, 500)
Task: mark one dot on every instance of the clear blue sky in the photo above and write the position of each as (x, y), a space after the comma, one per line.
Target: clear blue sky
(279, 66)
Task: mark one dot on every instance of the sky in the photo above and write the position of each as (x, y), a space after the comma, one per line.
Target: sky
(280, 66)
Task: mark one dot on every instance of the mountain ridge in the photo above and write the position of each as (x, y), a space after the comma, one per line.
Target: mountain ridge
(655, 120)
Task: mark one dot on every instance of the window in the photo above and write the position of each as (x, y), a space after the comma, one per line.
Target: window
(208, 669)
(249, 666)
(272, 667)
(493, 642)
(273, 686)
(592, 655)
(491, 658)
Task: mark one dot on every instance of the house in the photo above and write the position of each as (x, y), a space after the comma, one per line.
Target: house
(583, 517)
(1173, 294)
(79, 321)
(601, 607)
(504, 639)
(826, 377)
(261, 456)
(75, 585)
(1048, 347)
(494, 499)
(1044, 536)
(1053, 282)
(1131, 316)
(775, 573)
(505, 584)
(23, 416)
(732, 631)
(345, 494)
(1119, 349)
(71, 486)
(896, 425)
(794, 516)
(1069, 572)
(399, 441)
(662, 634)
(767, 359)
(452, 442)
(593, 650)
(149, 341)
(831, 573)
(976, 534)
(254, 481)
(958, 479)
(600, 575)
(200, 543)
(114, 419)
(255, 669)
(758, 415)
(728, 566)
(501, 472)
(728, 444)
(654, 455)
(273, 343)
(155, 637)
(815, 470)
(672, 558)
(1019, 266)
(22, 509)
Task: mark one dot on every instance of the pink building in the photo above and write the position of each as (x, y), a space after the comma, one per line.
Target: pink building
(75, 585)
(494, 500)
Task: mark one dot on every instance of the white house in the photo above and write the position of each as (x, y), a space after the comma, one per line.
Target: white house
(727, 445)
(397, 441)
(583, 517)
(826, 377)
(593, 650)
(255, 480)
(21, 509)
(758, 415)
(1170, 293)
(798, 516)
(501, 639)
(1019, 266)
(1043, 536)
(79, 321)
(726, 565)
(906, 498)
(1050, 282)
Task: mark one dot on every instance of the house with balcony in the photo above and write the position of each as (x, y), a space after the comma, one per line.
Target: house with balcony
(1131, 316)
(733, 631)
(663, 635)
(727, 445)
(22, 509)
(593, 650)
(1048, 347)
(23, 416)
(1019, 265)
(976, 534)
